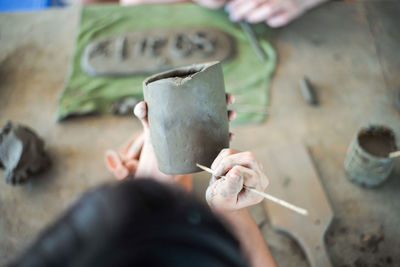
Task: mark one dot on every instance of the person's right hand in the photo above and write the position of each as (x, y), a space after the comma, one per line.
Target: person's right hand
(240, 171)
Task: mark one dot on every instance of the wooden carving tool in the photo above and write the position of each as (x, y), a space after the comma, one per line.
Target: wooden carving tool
(253, 40)
(265, 195)
(294, 178)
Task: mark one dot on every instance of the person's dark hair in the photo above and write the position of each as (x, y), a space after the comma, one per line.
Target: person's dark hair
(135, 223)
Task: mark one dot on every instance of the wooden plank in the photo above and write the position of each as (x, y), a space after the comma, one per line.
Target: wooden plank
(384, 22)
(294, 179)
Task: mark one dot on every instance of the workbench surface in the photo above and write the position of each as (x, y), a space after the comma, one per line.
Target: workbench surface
(348, 50)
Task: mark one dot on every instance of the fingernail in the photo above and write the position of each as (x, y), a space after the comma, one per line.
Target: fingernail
(136, 110)
(140, 112)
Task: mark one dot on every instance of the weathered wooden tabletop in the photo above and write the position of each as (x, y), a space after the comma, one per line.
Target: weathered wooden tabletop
(348, 50)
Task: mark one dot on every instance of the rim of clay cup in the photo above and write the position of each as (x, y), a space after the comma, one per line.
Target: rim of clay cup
(189, 71)
(367, 128)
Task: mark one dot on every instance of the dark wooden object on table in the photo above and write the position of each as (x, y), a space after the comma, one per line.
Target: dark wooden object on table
(293, 178)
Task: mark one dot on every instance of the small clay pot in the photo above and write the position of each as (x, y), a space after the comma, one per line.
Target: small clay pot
(187, 116)
(367, 161)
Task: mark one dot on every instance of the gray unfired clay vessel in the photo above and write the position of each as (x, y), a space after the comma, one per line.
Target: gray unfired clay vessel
(187, 116)
(367, 160)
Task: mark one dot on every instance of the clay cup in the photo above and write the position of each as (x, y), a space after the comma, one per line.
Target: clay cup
(187, 116)
(367, 161)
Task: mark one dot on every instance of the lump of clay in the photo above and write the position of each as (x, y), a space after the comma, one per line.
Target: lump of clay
(22, 153)
(187, 116)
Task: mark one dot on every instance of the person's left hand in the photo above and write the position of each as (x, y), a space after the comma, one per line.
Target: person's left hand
(137, 156)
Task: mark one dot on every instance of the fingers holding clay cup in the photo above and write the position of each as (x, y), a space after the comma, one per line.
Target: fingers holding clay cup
(230, 99)
(231, 136)
(224, 153)
(231, 115)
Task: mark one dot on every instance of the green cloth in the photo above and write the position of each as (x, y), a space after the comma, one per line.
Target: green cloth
(246, 76)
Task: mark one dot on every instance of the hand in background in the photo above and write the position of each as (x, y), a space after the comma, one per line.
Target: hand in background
(275, 13)
(142, 2)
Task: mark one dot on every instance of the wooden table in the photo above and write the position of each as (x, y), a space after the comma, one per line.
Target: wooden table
(348, 50)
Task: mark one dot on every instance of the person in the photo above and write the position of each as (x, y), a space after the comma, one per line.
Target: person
(275, 13)
(150, 221)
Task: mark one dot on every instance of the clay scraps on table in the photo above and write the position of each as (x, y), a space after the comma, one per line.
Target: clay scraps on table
(153, 50)
(22, 153)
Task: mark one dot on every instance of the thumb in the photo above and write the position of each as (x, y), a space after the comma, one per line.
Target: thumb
(140, 112)
(223, 193)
